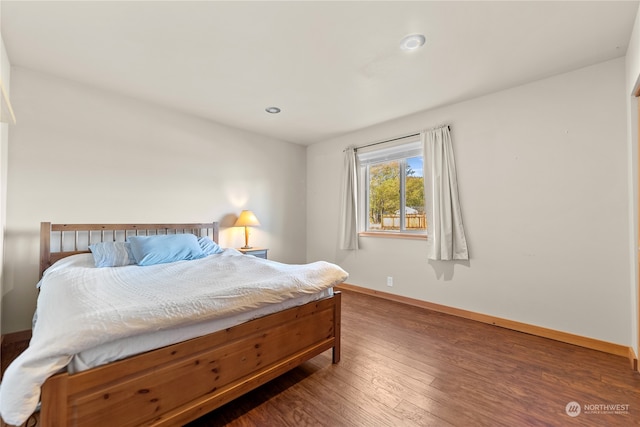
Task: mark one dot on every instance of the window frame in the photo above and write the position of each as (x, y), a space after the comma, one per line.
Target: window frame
(400, 151)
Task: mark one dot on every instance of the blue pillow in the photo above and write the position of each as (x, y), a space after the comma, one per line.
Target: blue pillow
(112, 254)
(208, 246)
(150, 250)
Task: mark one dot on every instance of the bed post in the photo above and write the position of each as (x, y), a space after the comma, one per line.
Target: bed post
(216, 231)
(336, 325)
(54, 401)
(45, 247)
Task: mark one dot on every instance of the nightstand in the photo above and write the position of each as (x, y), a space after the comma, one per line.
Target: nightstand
(256, 252)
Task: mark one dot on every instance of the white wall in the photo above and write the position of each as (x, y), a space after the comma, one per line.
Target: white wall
(632, 68)
(544, 191)
(632, 60)
(81, 154)
(5, 76)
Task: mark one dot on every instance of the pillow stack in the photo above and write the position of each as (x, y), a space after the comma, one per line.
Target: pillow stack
(152, 250)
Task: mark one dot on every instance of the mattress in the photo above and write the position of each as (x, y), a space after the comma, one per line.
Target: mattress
(116, 350)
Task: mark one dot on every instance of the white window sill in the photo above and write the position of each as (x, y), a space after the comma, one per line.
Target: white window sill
(392, 235)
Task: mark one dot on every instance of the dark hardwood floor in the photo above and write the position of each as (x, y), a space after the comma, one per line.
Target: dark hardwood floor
(407, 366)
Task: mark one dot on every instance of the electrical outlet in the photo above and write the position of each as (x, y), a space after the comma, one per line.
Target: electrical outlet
(389, 281)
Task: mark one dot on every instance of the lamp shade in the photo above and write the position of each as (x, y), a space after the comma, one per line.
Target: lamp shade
(247, 219)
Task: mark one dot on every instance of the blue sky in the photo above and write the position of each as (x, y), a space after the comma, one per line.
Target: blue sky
(416, 165)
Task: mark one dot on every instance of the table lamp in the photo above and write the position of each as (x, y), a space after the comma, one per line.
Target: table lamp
(246, 219)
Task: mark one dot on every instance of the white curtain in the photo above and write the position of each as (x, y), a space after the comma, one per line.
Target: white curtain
(445, 233)
(349, 208)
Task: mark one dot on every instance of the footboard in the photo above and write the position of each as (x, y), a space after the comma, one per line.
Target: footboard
(179, 383)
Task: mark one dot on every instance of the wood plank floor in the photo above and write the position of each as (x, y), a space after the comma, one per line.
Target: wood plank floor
(407, 366)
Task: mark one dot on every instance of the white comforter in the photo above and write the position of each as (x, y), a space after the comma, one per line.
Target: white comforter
(80, 307)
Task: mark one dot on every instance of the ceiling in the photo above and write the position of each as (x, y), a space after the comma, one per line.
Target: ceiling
(332, 67)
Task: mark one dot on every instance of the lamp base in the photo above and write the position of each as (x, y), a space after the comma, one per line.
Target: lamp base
(247, 247)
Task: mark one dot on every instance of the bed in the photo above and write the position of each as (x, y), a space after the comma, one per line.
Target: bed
(177, 383)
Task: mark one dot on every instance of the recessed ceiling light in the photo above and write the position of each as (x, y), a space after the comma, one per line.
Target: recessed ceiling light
(412, 42)
(272, 110)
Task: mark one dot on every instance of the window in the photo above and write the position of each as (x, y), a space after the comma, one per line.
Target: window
(393, 188)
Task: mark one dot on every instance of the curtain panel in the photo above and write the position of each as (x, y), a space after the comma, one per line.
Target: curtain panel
(445, 232)
(349, 208)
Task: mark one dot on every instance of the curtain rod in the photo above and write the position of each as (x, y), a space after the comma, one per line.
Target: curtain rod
(393, 139)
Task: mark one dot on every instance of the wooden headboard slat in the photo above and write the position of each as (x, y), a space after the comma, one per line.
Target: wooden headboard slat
(47, 257)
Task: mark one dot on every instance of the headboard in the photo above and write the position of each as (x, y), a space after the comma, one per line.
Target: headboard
(58, 241)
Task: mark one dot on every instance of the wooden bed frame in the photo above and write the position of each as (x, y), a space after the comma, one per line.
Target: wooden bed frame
(176, 384)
